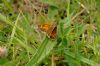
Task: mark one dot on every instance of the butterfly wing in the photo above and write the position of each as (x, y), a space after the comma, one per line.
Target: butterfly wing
(44, 27)
(53, 34)
(50, 29)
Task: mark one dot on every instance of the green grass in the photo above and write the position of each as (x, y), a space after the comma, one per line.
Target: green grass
(78, 34)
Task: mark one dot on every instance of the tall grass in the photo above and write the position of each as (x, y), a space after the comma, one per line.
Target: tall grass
(78, 34)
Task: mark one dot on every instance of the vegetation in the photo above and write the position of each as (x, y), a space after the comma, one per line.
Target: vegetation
(78, 33)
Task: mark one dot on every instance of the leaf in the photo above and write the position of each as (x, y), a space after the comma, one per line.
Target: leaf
(2, 18)
(82, 59)
(50, 2)
(52, 11)
(41, 52)
(64, 41)
(3, 61)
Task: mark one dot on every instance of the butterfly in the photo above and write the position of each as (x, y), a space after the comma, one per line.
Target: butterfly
(50, 29)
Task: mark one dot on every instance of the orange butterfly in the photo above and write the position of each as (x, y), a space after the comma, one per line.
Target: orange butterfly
(50, 29)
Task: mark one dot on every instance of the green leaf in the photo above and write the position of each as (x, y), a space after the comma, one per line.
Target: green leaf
(41, 52)
(64, 41)
(50, 2)
(3, 61)
(82, 59)
(52, 11)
